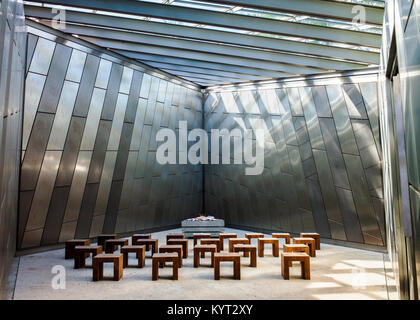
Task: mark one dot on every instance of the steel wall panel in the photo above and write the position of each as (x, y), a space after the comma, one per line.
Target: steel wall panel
(117, 122)
(76, 66)
(112, 92)
(104, 71)
(84, 95)
(342, 120)
(42, 56)
(55, 79)
(99, 151)
(33, 90)
(34, 152)
(71, 148)
(133, 97)
(354, 101)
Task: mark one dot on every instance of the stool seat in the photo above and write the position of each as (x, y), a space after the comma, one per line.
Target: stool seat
(231, 256)
(310, 242)
(82, 252)
(140, 254)
(203, 248)
(212, 241)
(151, 244)
(247, 248)
(161, 259)
(198, 236)
(286, 261)
(183, 242)
(173, 248)
(112, 244)
(234, 241)
(98, 265)
(103, 237)
(273, 241)
(313, 235)
(223, 236)
(71, 244)
(285, 236)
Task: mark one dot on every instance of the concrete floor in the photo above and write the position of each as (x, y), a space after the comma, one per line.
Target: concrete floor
(336, 273)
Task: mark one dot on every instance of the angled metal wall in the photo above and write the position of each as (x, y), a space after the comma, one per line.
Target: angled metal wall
(89, 147)
(12, 62)
(322, 168)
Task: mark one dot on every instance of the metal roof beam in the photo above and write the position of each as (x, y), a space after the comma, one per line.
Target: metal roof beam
(314, 8)
(207, 34)
(227, 20)
(147, 58)
(174, 52)
(292, 59)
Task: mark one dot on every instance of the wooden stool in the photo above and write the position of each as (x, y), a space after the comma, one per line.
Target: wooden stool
(232, 242)
(175, 236)
(296, 248)
(310, 242)
(285, 236)
(203, 248)
(162, 258)
(140, 255)
(112, 244)
(251, 236)
(247, 248)
(172, 248)
(151, 244)
(286, 261)
(235, 257)
(273, 241)
(183, 242)
(71, 244)
(103, 237)
(313, 235)
(212, 241)
(138, 236)
(98, 265)
(198, 236)
(223, 236)
(82, 252)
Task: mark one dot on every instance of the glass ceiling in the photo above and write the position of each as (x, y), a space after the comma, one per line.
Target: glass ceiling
(237, 10)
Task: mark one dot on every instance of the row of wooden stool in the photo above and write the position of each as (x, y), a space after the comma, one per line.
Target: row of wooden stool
(176, 249)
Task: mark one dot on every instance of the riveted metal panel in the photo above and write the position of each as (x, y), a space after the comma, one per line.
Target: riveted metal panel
(63, 116)
(35, 150)
(33, 90)
(71, 148)
(76, 65)
(84, 96)
(42, 56)
(92, 121)
(55, 79)
(342, 120)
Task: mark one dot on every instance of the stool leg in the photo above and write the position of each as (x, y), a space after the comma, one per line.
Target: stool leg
(276, 249)
(260, 249)
(254, 258)
(217, 270)
(212, 259)
(203, 254)
(125, 259)
(155, 269)
(175, 269)
(307, 270)
(95, 268)
(101, 270)
(237, 270)
(285, 268)
(76, 261)
(222, 244)
(196, 258)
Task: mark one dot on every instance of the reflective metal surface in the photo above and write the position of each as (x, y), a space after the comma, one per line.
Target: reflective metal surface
(92, 148)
